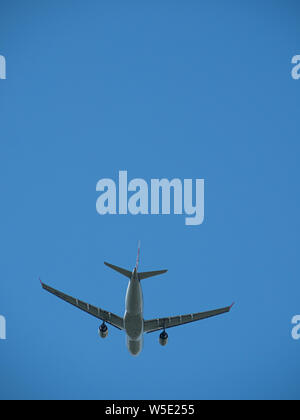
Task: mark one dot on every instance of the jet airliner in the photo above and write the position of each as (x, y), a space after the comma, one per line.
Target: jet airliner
(133, 322)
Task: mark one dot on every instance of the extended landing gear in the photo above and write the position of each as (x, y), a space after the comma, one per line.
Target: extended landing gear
(103, 330)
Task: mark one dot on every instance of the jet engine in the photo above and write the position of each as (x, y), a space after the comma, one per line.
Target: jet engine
(163, 338)
(103, 331)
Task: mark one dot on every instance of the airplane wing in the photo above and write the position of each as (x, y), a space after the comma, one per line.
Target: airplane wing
(163, 323)
(105, 316)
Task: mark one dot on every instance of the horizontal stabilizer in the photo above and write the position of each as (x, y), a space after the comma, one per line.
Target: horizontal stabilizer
(120, 270)
(148, 274)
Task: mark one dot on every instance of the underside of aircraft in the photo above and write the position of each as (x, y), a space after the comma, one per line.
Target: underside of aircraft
(133, 322)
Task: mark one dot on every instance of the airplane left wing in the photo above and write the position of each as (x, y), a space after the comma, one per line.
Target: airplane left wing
(105, 316)
(164, 323)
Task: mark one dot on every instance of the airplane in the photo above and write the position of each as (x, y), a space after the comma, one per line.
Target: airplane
(133, 322)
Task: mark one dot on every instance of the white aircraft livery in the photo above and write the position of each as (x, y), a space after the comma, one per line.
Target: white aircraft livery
(133, 322)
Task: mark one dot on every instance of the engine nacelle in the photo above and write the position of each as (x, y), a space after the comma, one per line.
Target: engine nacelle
(163, 338)
(103, 331)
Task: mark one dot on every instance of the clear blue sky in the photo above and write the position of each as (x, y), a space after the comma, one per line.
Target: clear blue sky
(161, 89)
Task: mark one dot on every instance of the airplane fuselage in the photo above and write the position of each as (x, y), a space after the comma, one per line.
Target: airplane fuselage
(133, 318)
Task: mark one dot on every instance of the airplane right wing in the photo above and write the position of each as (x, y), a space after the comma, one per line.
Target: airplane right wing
(164, 323)
(105, 316)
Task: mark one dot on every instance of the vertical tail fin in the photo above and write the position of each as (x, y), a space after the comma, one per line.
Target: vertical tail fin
(147, 274)
(138, 257)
